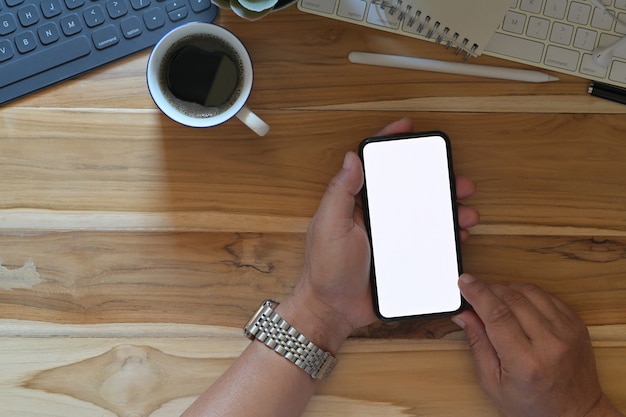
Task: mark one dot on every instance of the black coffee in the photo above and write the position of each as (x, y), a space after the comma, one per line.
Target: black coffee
(201, 75)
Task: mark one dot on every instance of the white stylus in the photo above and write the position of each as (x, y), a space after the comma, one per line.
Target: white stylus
(421, 64)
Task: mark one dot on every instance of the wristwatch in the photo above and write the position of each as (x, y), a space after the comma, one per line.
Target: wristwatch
(270, 328)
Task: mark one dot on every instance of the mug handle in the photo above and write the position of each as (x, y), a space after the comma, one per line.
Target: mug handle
(253, 121)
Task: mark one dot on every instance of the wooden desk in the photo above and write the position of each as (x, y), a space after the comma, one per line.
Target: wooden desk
(134, 249)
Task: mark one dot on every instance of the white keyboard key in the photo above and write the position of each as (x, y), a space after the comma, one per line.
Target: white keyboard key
(532, 6)
(589, 67)
(620, 27)
(579, 13)
(538, 28)
(620, 52)
(620, 4)
(606, 40)
(378, 16)
(618, 72)
(514, 47)
(514, 22)
(601, 20)
(556, 8)
(352, 9)
(585, 39)
(324, 6)
(562, 33)
(562, 58)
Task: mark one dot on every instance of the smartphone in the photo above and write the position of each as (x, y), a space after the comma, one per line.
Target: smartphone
(409, 204)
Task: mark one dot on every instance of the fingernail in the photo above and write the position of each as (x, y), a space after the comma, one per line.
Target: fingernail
(458, 321)
(467, 278)
(347, 161)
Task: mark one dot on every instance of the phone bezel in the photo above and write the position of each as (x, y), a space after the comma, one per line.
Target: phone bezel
(366, 213)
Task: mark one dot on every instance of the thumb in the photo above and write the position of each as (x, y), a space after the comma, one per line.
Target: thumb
(339, 198)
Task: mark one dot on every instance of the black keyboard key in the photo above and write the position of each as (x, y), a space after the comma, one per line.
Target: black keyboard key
(106, 37)
(12, 3)
(117, 8)
(28, 15)
(139, 4)
(154, 18)
(7, 24)
(25, 42)
(51, 8)
(74, 4)
(174, 4)
(131, 27)
(6, 50)
(178, 14)
(49, 57)
(199, 6)
(94, 16)
(71, 25)
(48, 33)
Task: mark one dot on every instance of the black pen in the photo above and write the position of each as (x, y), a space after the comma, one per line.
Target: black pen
(607, 91)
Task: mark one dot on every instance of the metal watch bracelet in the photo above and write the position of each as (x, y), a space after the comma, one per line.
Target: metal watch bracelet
(270, 328)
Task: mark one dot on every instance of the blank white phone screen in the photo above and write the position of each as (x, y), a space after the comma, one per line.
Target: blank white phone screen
(412, 226)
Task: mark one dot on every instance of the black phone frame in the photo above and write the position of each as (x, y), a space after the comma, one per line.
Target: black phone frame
(366, 215)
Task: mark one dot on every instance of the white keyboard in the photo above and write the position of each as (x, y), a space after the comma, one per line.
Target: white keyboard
(560, 35)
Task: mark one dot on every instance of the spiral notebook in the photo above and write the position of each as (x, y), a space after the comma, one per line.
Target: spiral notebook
(463, 25)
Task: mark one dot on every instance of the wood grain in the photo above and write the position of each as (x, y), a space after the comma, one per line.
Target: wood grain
(142, 372)
(133, 249)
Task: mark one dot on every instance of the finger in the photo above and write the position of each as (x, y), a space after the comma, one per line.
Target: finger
(467, 217)
(404, 125)
(359, 217)
(465, 187)
(483, 352)
(501, 325)
(543, 302)
(550, 305)
(340, 196)
(464, 235)
(566, 310)
(531, 319)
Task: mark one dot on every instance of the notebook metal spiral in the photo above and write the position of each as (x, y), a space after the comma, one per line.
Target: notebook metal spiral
(426, 26)
(397, 16)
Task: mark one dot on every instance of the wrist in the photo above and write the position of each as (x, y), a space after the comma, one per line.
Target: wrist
(316, 320)
(270, 328)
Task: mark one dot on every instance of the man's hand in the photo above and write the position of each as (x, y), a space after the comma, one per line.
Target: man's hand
(533, 354)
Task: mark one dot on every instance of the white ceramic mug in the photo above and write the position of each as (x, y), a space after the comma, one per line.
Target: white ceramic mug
(174, 108)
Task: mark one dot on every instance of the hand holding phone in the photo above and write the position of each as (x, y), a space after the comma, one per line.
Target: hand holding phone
(411, 218)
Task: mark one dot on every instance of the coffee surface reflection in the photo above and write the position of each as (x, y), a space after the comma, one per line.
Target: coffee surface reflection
(205, 77)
